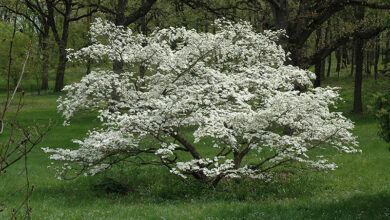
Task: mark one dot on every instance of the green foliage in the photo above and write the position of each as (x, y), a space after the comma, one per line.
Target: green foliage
(21, 45)
(381, 109)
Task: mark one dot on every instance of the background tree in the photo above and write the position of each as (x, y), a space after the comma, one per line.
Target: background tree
(359, 55)
(17, 141)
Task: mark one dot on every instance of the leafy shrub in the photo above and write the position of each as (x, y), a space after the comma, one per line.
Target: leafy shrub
(381, 108)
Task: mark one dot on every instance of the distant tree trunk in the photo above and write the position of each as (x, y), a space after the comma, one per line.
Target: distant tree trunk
(317, 82)
(359, 53)
(62, 41)
(377, 53)
(387, 51)
(338, 59)
(120, 20)
(281, 14)
(319, 64)
(323, 62)
(353, 55)
(144, 30)
(89, 61)
(61, 68)
(329, 65)
(345, 58)
(89, 64)
(45, 58)
(323, 68)
(330, 55)
(368, 62)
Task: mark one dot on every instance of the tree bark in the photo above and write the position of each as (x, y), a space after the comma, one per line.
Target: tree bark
(62, 41)
(120, 20)
(330, 55)
(345, 58)
(386, 56)
(60, 75)
(329, 65)
(45, 58)
(317, 82)
(319, 64)
(359, 55)
(352, 61)
(377, 53)
(368, 63)
(144, 31)
(338, 59)
(280, 14)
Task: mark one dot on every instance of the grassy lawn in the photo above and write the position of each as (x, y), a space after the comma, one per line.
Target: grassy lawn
(359, 189)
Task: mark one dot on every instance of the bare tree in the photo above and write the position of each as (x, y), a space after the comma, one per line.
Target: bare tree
(19, 140)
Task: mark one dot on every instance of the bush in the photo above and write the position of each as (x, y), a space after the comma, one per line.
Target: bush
(381, 108)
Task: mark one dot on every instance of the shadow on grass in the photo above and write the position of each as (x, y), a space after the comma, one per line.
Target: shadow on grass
(167, 188)
(376, 206)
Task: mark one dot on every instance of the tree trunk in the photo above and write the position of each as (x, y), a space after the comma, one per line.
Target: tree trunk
(330, 55)
(61, 70)
(120, 20)
(319, 64)
(353, 61)
(338, 59)
(62, 58)
(325, 43)
(62, 42)
(144, 30)
(281, 14)
(89, 61)
(386, 56)
(45, 59)
(359, 54)
(377, 53)
(89, 64)
(368, 63)
(323, 68)
(329, 65)
(345, 57)
(317, 82)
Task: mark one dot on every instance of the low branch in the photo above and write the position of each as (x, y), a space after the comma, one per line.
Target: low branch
(187, 145)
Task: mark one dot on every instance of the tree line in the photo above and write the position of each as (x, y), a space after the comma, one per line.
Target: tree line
(353, 32)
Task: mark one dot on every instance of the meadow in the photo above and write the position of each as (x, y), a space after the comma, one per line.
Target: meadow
(358, 189)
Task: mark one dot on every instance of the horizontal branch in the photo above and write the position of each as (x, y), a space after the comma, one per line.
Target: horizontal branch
(332, 46)
(368, 4)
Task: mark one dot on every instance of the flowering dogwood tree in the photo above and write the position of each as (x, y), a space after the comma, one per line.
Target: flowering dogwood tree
(210, 106)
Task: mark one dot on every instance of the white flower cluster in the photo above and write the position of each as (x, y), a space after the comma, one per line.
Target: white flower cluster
(180, 88)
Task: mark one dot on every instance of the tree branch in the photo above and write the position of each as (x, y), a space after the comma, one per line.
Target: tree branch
(326, 51)
(142, 11)
(187, 145)
(274, 3)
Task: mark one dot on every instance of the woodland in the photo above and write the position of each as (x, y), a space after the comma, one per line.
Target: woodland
(194, 109)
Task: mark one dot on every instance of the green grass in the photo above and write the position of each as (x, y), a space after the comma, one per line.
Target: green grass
(359, 189)
(29, 83)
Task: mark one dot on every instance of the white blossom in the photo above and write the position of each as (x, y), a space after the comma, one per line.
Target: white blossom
(231, 87)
